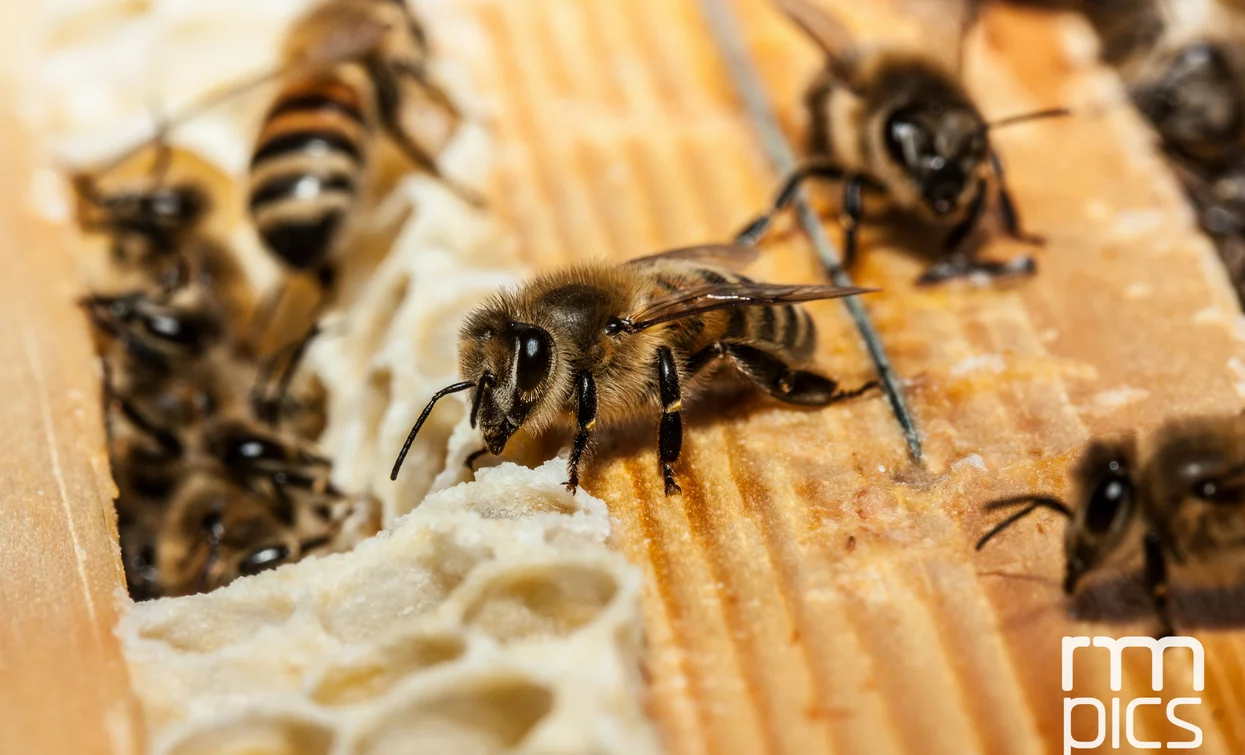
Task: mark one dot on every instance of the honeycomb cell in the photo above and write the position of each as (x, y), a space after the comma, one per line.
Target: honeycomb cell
(478, 716)
(415, 583)
(206, 624)
(272, 734)
(545, 600)
(362, 679)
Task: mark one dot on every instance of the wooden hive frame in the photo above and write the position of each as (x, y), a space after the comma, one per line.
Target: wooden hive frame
(812, 591)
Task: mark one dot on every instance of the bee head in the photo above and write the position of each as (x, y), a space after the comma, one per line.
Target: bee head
(1106, 509)
(174, 207)
(1194, 103)
(514, 365)
(941, 148)
(162, 330)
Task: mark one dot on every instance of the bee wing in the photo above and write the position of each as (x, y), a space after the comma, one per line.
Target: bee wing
(733, 256)
(711, 297)
(826, 31)
(334, 32)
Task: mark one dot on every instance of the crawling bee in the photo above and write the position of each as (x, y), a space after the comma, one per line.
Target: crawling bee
(216, 531)
(1184, 67)
(1184, 491)
(158, 235)
(348, 60)
(596, 342)
(900, 124)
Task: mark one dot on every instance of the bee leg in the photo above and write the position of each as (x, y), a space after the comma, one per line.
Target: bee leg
(167, 440)
(814, 168)
(670, 430)
(853, 209)
(958, 263)
(1156, 581)
(1007, 207)
(470, 463)
(585, 420)
(296, 353)
(388, 100)
(788, 385)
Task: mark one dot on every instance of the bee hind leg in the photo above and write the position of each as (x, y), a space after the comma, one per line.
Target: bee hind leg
(814, 168)
(792, 386)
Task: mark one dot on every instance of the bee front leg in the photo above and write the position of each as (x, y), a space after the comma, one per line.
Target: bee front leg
(470, 462)
(1007, 207)
(670, 431)
(1156, 581)
(814, 168)
(585, 420)
(853, 211)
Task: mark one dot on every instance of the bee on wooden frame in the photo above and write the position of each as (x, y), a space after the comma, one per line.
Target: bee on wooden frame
(607, 342)
(1184, 67)
(1182, 492)
(898, 125)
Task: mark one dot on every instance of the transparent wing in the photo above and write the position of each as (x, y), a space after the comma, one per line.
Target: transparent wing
(733, 256)
(828, 32)
(711, 297)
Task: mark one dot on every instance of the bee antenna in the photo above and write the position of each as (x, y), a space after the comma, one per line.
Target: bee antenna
(1035, 502)
(1036, 115)
(485, 382)
(447, 390)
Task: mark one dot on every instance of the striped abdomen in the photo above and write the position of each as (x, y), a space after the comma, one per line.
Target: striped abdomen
(307, 168)
(785, 330)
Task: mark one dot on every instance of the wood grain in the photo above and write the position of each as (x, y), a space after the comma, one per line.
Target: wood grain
(64, 687)
(812, 591)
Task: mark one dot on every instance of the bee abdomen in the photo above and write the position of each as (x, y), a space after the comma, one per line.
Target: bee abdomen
(306, 168)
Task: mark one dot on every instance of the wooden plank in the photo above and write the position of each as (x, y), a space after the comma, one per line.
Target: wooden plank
(64, 687)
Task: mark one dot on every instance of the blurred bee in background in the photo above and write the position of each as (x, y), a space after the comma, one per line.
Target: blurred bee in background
(1184, 492)
(216, 532)
(349, 61)
(1184, 67)
(157, 231)
(899, 124)
(597, 342)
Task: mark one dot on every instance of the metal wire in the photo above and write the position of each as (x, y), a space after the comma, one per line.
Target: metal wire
(724, 26)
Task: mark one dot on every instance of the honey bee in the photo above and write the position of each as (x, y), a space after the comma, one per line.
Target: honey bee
(1184, 67)
(349, 60)
(900, 125)
(217, 531)
(1184, 491)
(596, 342)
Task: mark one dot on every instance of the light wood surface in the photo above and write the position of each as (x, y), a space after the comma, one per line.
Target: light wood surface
(63, 682)
(811, 591)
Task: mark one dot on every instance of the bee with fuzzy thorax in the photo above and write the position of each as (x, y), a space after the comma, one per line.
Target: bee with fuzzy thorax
(898, 125)
(1184, 67)
(158, 235)
(348, 61)
(216, 531)
(604, 343)
(1183, 491)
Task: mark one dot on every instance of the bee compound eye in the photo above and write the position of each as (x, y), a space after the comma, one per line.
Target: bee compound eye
(534, 356)
(263, 559)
